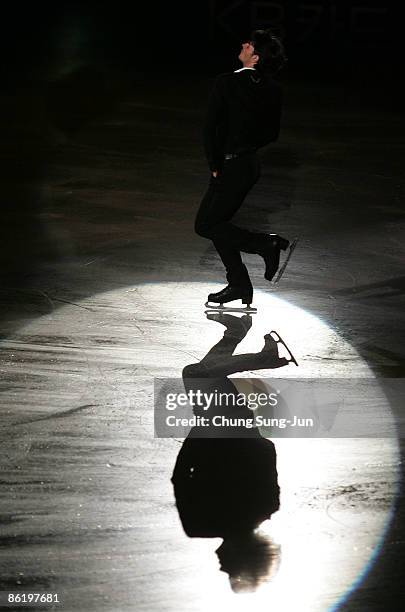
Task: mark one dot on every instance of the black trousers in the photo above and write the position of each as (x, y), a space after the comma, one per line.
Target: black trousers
(221, 201)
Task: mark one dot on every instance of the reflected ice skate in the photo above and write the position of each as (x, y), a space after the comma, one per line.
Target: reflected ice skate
(272, 337)
(238, 326)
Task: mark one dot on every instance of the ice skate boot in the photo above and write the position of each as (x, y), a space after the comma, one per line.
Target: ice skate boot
(229, 294)
(281, 271)
(239, 288)
(271, 255)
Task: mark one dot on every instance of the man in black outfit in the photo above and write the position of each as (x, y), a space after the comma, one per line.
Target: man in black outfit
(243, 115)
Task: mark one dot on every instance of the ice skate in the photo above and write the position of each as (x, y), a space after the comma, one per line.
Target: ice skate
(271, 254)
(230, 294)
(274, 337)
(281, 271)
(270, 251)
(239, 288)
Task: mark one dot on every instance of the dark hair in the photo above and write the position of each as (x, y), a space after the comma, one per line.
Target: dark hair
(270, 50)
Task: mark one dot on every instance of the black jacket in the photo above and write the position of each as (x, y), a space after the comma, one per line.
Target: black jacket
(243, 113)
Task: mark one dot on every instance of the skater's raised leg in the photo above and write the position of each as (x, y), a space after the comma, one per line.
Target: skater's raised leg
(222, 200)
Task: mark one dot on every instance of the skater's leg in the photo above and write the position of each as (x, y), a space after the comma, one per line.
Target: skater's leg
(225, 195)
(217, 206)
(220, 202)
(223, 199)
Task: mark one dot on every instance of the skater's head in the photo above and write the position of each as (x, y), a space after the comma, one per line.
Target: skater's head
(247, 55)
(264, 52)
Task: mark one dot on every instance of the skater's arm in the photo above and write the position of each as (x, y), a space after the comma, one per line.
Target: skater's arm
(213, 134)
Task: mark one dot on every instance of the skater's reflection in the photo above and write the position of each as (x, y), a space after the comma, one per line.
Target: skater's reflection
(250, 559)
(225, 481)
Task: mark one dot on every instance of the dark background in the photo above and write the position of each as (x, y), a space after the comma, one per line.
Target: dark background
(350, 39)
(66, 64)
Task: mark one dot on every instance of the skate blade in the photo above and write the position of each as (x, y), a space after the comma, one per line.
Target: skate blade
(283, 267)
(278, 338)
(219, 308)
